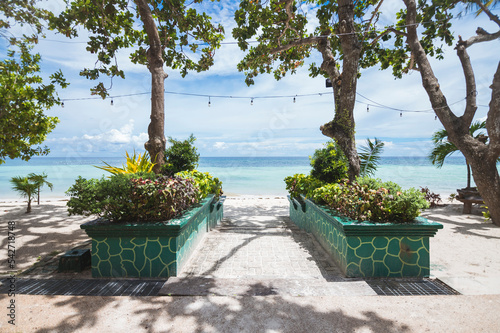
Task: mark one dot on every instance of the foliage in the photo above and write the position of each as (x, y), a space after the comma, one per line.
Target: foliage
(205, 183)
(432, 198)
(26, 187)
(113, 26)
(132, 197)
(359, 202)
(329, 164)
(370, 156)
(24, 96)
(135, 164)
(301, 184)
(40, 181)
(181, 156)
(375, 184)
(444, 148)
(486, 214)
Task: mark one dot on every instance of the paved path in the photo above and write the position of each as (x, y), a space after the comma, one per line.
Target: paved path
(259, 252)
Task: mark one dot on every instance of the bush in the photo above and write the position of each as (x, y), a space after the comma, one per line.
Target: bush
(132, 198)
(135, 164)
(360, 202)
(329, 164)
(375, 184)
(432, 198)
(301, 184)
(205, 183)
(180, 156)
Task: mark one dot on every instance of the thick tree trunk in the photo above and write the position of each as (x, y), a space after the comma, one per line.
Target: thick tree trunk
(344, 84)
(156, 129)
(486, 176)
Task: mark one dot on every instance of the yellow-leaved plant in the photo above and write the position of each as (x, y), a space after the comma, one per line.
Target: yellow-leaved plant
(136, 163)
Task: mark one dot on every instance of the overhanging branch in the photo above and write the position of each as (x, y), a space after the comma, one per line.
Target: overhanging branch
(485, 9)
(298, 42)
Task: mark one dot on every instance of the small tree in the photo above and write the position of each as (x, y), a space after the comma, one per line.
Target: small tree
(40, 181)
(26, 187)
(181, 156)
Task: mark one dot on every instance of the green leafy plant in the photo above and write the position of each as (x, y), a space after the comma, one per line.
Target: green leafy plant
(369, 156)
(360, 202)
(301, 184)
(205, 183)
(486, 214)
(329, 164)
(40, 181)
(132, 197)
(29, 186)
(136, 163)
(432, 198)
(181, 156)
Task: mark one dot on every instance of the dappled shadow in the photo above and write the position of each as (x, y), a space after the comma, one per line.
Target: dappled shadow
(451, 217)
(46, 230)
(209, 314)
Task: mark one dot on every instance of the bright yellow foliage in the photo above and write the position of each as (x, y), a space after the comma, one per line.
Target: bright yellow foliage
(136, 163)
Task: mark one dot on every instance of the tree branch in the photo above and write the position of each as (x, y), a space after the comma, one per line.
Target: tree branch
(485, 9)
(155, 47)
(388, 30)
(375, 11)
(482, 36)
(493, 120)
(298, 42)
(289, 13)
(470, 84)
(429, 80)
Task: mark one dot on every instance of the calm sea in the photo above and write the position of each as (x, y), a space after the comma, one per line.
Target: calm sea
(240, 175)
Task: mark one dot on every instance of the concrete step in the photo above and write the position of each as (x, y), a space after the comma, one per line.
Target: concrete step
(204, 286)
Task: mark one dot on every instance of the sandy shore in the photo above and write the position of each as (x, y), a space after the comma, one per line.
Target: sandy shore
(463, 254)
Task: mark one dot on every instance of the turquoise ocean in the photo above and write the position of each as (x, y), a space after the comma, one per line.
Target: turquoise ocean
(240, 175)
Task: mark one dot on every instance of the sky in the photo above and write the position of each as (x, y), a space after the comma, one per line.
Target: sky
(235, 127)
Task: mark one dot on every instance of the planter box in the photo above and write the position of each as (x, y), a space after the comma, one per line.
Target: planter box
(157, 249)
(216, 212)
(366, 249)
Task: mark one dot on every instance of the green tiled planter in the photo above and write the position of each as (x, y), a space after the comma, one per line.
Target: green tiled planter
(298, 213)
(366, 249)
(216, 212)
(147, 249)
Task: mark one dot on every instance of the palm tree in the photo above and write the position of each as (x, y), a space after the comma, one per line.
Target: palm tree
(444, 148)
(40, 180)
(26, 188)
(369, 157)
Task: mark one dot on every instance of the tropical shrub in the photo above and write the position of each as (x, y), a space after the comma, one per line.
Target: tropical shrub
(369, 156)
(180, 156)
(432, 198)
(132, 197)
(301, 184)
(329, 164)
(135, 164)
(360, 202)
(375, 184)
(205, 183)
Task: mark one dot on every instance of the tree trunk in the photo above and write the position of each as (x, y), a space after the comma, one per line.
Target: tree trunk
(468, 174)
(28, 210)
(156, 129)
(486, 176)
(344, 84)
(38, 195)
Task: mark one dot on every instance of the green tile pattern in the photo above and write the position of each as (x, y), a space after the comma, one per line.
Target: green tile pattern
(160, 254)
(362, 255)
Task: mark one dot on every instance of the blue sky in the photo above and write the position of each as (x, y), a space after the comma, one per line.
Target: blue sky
(234, 127)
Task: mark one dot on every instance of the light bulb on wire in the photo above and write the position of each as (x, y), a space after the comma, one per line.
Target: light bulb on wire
(251, 101)
(209, 103)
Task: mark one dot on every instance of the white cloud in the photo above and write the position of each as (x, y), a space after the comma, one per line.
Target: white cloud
(220, 145)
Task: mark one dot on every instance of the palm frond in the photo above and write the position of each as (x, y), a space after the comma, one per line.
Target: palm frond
(369, 156)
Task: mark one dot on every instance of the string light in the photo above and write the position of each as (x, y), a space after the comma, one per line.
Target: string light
(294, 99)
(62, 104)
(209, 103)
(367, 107)
(111, 102)
(251, 101)
(401, 114)
(435, 117)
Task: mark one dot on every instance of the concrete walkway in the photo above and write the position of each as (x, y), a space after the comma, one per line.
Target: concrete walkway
(263, 254)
